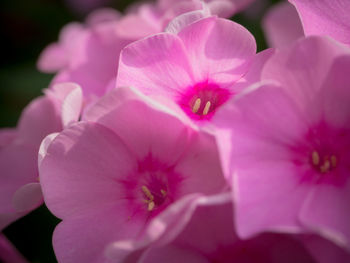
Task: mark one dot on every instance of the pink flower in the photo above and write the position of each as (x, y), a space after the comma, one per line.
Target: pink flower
(111, 176)
(282, 25)
(288, 156)
(210, 236)
(195, 66)
(322, 17)
(20, 191)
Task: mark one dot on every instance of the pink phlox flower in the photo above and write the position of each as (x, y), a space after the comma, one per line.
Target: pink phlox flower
(129, 162)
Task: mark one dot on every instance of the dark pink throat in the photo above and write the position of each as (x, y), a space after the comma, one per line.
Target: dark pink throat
(151, 188)
(202, 100)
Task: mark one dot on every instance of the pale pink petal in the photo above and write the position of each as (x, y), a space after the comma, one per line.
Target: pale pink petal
(254, 72)
(282, 25)
(326, 211)
(142, 125)
(302, 69)
(259, 139)
(157, 64)
(33, 125)
(84, 238)
(102, 15)
(134, 26)
(181, 21)
(201, 167)
(44, 146)
(94, 60)
(53, 58)
(18, 167)
(8, 252)
(80, 169)
(218, 49)
(323, 17)
(28, 197)
(68, 99)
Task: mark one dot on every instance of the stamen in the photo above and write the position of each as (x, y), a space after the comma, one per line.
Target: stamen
(325, 167)
(315, 158)
(151, 206)
(147, 193)
(196, 106)
(334, 161)
(206, 108)
(163, 192)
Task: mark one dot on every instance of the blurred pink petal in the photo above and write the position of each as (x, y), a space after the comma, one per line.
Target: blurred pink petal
(322, 17)
(282, 25)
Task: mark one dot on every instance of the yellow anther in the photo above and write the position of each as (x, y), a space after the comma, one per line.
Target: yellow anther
(334, 161)
(163, 192)
(206, 108)
(325, 167)
(151, 206)
(147, 193)
(196, 105)
(315, 158)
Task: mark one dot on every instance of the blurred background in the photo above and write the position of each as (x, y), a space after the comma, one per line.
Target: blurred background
(27, 26)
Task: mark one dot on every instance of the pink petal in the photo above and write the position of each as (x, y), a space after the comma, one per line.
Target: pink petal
(324, 17)
(102, 15)
(157, 64)
(18, 167)
(218, 49)
(325, 251)
(254, 72)
(52, 59)
(302, 69)
(327, 212)
(68, 98)
(141, 125)
(201, 166)
(164, 228)
(335, 95)
(80, 169)
(172, 254)
(84, 238)
(34, 125)
(28, 197)
(282, 25)
(183, 20)
(266, 186)
(8, 252)
(7, 135)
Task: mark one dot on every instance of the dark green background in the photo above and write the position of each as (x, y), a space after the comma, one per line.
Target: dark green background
(27, 26)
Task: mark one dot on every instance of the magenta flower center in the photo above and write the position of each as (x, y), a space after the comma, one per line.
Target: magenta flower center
(202, 100)
(151, 188)
(323, 163)
(323, 155)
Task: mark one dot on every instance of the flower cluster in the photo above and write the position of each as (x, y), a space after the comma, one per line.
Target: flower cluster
(165, 137)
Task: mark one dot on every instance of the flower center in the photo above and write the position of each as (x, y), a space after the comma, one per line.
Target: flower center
(201, 100)
(323, 163)
(153, 199)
